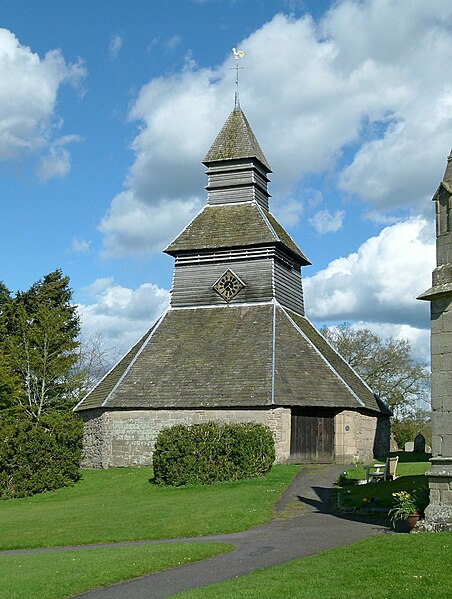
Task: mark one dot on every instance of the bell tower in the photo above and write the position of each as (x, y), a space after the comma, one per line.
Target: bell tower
(438, 515)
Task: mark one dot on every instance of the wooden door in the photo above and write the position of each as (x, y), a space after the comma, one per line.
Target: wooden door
(312, 436)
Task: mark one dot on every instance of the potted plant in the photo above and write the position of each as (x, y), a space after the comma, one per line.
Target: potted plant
(406, 508)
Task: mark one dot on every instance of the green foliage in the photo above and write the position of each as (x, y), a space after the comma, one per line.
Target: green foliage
(10, 383)
(211, 452)
(407, 428)
(39, 456)
(387, 366)
(407, 504)
(38, 335)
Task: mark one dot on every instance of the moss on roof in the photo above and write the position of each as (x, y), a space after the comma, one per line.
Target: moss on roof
(232, 356)
(236, 140)
(351, 378)
(230, 226)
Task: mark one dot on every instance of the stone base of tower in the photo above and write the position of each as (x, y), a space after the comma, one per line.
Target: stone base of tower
(438, 515)
(121, 438)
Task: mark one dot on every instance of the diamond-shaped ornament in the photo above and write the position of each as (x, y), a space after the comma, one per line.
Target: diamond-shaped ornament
(228, 286)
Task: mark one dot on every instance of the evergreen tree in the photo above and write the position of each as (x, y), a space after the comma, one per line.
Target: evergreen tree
(38, 334)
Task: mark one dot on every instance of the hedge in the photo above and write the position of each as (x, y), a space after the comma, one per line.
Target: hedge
(39, 456)
(212, 452)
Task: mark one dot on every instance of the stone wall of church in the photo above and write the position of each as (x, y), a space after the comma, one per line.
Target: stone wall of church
(441, 348)
(359, 437)
(127, 438)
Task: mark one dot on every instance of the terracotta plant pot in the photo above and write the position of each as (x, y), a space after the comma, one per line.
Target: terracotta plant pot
(412, 521)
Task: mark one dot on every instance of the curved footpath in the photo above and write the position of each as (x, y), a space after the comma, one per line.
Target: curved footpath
(304, 524)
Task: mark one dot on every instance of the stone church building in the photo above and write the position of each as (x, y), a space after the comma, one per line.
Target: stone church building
(235, 344)
(438, 515)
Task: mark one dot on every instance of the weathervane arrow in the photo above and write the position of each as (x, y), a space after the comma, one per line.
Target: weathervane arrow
(237, 54)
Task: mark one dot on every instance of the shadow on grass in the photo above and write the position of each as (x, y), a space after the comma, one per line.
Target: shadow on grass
(371, 502)
(411, 456)
(323, 505)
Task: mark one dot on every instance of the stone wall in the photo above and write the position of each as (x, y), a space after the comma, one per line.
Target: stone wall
(438, 515)
(359, 437)
(127, 438)
(441, 348)
(96, 439)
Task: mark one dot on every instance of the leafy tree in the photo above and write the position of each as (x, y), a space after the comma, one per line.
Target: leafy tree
(38, 334)
(408, 427)
(386, 365)
(94, 361)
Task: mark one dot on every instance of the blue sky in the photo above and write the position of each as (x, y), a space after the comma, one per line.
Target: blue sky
(108, 108)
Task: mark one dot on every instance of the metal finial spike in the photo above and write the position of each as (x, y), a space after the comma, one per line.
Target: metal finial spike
(237, 54)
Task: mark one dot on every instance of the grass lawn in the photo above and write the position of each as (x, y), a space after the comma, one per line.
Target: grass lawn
(121, 504)
(381, 567)
(55, 575)
(410, 477)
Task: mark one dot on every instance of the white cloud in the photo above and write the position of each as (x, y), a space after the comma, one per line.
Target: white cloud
(80, 246)
(173, 42)
(115, 46)
(324, 221)
(57, 161)
(379, 282)
(288, 211)
(29, 89)
(378, 99)
(121, 314)
(133, 227)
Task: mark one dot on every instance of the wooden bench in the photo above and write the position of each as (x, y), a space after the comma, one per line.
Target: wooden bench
(386, 471)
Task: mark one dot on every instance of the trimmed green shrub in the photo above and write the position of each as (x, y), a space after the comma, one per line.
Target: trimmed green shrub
(39, 456)
(211, 452)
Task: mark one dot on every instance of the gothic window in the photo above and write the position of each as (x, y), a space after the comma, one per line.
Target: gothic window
(444, 213)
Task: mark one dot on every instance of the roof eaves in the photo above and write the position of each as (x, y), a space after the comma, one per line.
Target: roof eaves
(167, 249)
(443, 185)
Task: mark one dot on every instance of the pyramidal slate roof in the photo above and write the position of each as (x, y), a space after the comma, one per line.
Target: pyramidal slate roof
(232, 356)
(231, 226)
(236, 140)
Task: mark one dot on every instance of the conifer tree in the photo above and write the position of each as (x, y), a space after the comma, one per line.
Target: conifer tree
(38, 336)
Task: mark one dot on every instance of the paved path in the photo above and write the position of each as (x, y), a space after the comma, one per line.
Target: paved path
(304, 524)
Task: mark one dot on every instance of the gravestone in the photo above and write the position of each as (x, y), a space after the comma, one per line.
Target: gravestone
(393, 444)
(419, 443)
(409, 446)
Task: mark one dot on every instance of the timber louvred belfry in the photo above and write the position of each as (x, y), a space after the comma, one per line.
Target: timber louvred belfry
(235, 345)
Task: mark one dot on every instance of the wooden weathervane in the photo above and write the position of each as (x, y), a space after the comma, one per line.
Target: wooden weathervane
(237, 54)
